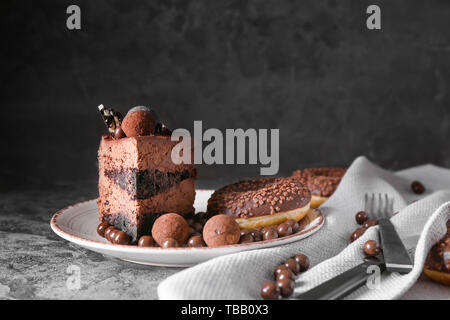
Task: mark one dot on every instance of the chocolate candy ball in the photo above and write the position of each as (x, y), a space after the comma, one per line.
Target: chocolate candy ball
(270, 291)
(111, 234)
(292, 265)
(361, 217)
(270, 233)
(285, 273)
(196, 242)
(170, 243)
(357, 233)
(286, 287)
(170, 226)
(146, 241)
(417, 187)
(279, 269)
(108, 231)
(370, 223)
(246, 238)
(371, 248)
(221, 230)
(294, 225)
(118, 133)
(138, 122)
(101, 228)
(256, 234)
(303, 262)
(284, 229)
(122, 238)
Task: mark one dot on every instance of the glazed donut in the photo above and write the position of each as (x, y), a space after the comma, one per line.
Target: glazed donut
(262, 202)
(321, 182)
(437, 265)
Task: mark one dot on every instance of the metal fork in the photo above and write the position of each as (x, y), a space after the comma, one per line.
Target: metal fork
(395, 254)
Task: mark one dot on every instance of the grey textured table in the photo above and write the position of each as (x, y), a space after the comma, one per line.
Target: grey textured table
(34, 261)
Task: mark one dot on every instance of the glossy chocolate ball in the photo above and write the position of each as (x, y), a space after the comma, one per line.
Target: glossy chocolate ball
(146, 241)
(101, 228)
(284, 229)
(370, 223)
(170, 243)
(246, 238)
(357, 233)
(417, 187)
(270, 233)
(361, 217)
(196, 242)
(270, 291)
(303, 262)
(294, 225)
(256, 234)
(279, 269)
(371, 248)
(292, 265)
(122, 238)
(285, 273)
(286, 286)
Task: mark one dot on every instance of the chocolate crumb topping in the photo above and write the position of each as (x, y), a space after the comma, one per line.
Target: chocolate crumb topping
(321, 182)
(251, 198)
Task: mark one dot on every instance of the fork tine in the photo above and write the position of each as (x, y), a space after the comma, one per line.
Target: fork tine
(372, 205)
(386, 206)
(366, 200)
(380, 206)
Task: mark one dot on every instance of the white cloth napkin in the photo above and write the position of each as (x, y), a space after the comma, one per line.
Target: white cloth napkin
(240, 275)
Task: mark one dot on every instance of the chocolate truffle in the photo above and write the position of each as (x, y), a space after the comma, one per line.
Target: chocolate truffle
(170, 226)
(138, 122)
(221, 230)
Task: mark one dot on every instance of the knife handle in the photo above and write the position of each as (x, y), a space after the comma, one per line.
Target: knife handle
(343, 284)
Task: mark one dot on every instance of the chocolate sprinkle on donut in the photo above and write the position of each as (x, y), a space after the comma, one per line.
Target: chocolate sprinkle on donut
(321, 182)
(258, 197)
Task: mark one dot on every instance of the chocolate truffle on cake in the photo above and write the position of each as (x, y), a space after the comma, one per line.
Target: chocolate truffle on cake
(262, 202)
(139, 121)
(170, 226)
(221, 230)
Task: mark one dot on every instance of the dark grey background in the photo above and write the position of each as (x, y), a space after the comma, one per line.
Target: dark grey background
(311, 68)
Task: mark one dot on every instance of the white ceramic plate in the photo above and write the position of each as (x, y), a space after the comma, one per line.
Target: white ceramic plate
(78, 224)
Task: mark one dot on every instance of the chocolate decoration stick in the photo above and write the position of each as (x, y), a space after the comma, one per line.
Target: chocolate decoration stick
(111, 118)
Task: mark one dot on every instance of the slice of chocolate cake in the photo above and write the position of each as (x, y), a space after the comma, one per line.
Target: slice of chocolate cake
(138, 182)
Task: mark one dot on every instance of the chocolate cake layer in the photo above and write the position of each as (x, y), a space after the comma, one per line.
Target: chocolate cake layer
(138, 182)
(142, 184)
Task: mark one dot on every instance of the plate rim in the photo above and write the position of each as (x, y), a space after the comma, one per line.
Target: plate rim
(133, 248)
